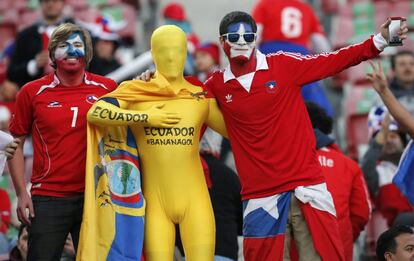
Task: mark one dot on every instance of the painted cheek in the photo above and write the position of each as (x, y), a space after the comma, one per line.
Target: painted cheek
(227, 49)
(76, 52)
(61, 53)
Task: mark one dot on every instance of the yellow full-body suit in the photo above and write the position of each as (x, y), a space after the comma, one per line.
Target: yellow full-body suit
(167, 132)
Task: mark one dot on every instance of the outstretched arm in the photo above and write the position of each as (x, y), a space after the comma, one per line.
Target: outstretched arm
(104, 113)
(215, 119)
(303, 69)
(400, 114)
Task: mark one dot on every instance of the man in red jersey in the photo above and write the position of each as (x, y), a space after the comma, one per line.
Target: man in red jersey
(283, 188)
(344, 179)
(283, 22)
(53, 110)
(273, 141)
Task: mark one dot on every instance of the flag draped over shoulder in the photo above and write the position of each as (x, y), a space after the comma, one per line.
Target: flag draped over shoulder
(113, 219)
(404, 178)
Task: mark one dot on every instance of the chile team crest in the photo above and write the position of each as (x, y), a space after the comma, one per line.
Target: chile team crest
(91, 98)
(271, 87)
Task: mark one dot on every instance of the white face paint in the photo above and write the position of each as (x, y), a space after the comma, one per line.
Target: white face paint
(72, 47)
(241, 47)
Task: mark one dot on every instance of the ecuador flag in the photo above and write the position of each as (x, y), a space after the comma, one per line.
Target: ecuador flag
(113, 218)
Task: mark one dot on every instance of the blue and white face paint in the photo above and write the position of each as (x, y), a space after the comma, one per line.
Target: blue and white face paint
(73, 47)
(241, 40)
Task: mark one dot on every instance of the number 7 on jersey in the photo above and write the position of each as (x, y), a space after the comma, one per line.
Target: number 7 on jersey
(75, 115)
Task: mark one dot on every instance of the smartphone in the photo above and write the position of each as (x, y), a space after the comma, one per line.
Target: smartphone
(394, 27)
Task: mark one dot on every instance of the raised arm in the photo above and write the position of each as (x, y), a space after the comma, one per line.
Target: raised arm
(400, 114)
(107, 112)
(304, 69)
(215, 119)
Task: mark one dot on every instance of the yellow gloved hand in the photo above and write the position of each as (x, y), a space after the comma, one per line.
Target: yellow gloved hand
(160, 118)
(106, 114)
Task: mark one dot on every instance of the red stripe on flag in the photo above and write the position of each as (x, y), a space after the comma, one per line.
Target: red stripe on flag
(268, 248)
(131, 199)
(325, 233)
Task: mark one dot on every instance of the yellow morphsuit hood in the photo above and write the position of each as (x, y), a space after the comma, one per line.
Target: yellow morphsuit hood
(169, 51)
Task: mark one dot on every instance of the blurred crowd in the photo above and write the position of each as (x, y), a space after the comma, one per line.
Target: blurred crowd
(345, 109)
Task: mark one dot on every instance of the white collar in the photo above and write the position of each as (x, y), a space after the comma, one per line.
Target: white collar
(56, 82)
(246, 79)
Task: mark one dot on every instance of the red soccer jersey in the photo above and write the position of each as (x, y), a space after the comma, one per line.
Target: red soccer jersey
(346, 183)
(55, 115)
(286, 20)
(269, 128)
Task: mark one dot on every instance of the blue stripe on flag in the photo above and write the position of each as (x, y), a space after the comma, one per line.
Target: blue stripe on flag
(129, 238)
(259, 223)
(404, 178)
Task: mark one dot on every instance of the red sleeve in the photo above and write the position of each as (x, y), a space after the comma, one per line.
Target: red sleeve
(303, 69)
(22, 119)
(5, 211)
(359, 205)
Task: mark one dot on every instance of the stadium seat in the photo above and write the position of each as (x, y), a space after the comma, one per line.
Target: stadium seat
(358, 1)
(9, 17)
(87, 15)
(28, 17)
(356, 74)
(358, 101)
(342, 31)
(342, 28)
(26, 4)
(330, 6)
(403, 8)
(376, 225)
(99, 3)
(382, 12)
(5, 6)
(356, 135)
(355, 22)
(77, 4)
(7, 32)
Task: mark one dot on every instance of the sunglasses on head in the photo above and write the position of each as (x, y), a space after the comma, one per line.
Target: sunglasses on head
(234, 37)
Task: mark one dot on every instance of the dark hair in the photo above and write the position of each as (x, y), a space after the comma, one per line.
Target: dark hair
(319, 118)
(15, 254)
(62, 32)
(236, 17)
(386, 241)
(399, 53)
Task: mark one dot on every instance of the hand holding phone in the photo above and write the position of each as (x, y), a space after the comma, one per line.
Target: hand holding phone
(393, 29)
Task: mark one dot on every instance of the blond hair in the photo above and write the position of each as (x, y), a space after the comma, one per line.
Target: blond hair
(61, 34)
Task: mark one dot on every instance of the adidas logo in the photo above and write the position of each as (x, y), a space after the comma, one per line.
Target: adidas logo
(229, 98)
